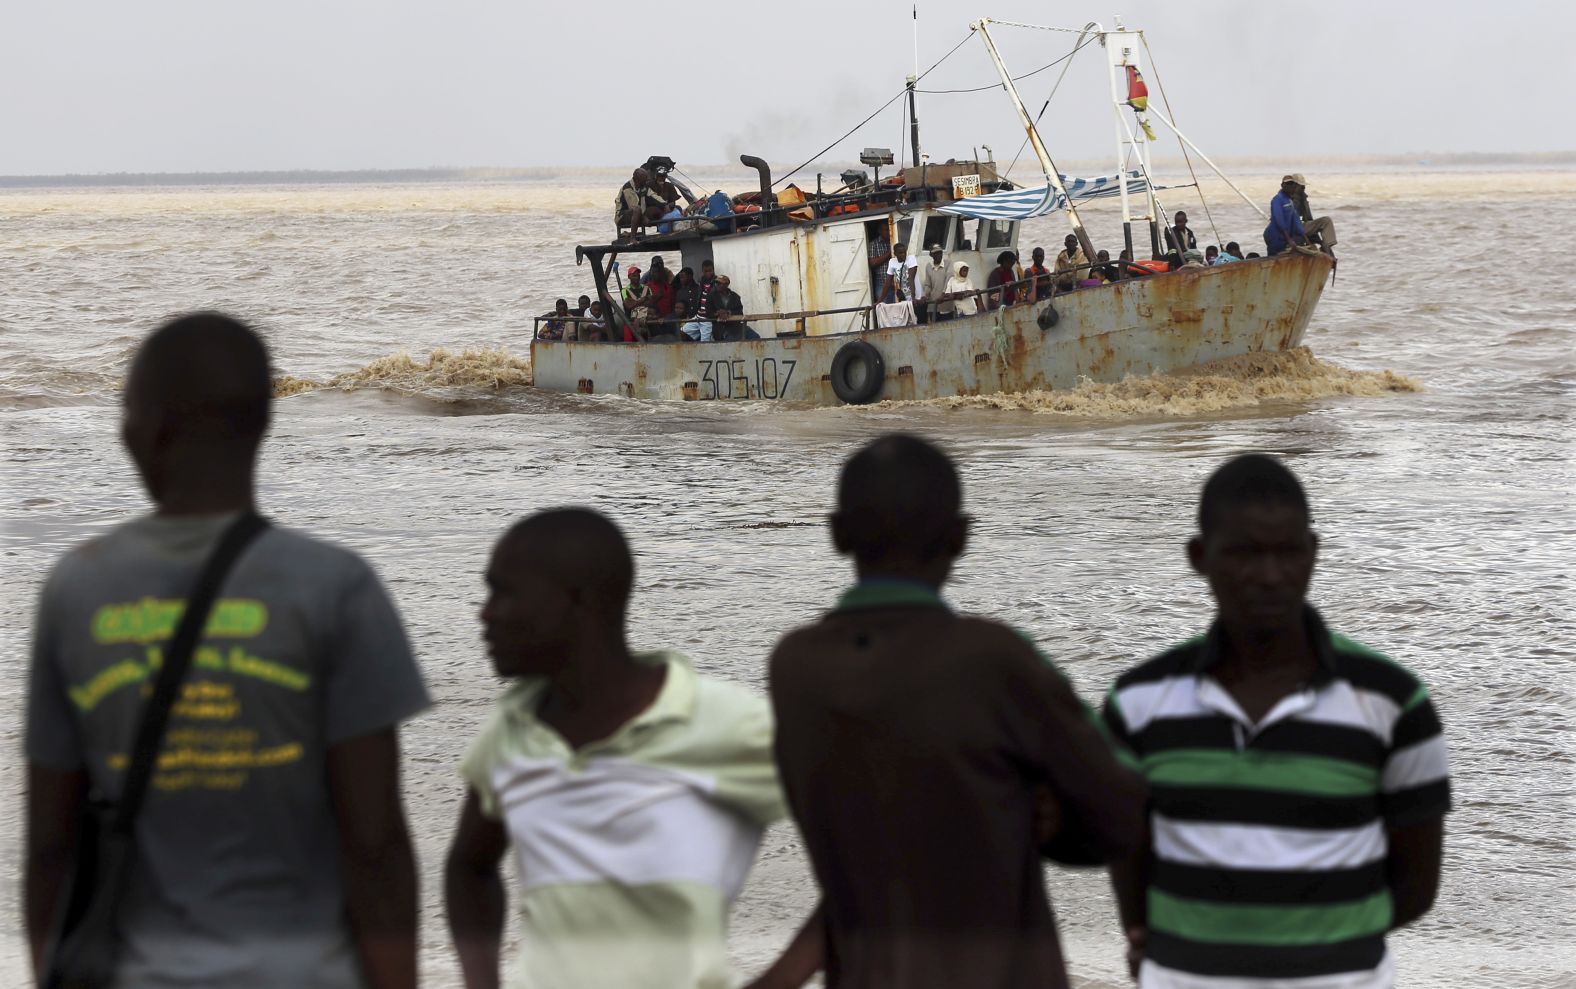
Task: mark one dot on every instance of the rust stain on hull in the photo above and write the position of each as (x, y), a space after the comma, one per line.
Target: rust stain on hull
(1104, 334)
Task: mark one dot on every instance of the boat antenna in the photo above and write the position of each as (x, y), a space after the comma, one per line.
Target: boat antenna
(1046, 165)
(913, 116)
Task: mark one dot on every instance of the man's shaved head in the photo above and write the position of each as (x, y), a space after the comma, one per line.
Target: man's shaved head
(579, 550)
(898, 501)
(197, 404)
(207, 374)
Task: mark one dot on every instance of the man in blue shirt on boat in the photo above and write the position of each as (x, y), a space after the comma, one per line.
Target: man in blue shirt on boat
(1292, 222)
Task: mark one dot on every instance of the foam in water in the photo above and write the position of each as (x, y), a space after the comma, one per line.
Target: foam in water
(488, 369)
(1234, 383)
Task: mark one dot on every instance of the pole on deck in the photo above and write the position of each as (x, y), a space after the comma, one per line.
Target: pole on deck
(1046, 165)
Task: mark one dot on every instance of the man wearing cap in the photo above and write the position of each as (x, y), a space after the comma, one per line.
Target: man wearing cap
(1288, 211)
(933, 285)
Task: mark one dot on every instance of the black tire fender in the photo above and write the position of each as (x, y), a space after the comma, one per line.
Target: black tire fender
(1048, 317)
(857, 352)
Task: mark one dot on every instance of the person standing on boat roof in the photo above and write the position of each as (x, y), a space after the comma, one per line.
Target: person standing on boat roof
(1286, 227)
(932, 286)
(901, 273)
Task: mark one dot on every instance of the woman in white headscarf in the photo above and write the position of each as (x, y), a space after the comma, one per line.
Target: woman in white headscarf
(964, 305)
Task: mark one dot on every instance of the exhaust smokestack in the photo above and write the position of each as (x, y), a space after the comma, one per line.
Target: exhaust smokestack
(765, 171)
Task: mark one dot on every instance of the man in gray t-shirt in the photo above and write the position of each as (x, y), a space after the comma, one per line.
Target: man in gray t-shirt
(272, 848)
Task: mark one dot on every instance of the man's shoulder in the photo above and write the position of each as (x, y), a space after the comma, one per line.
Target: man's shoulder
(1369, 669)
(1176, 661)
(727, 703)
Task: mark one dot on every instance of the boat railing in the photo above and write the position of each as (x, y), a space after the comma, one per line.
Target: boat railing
(1027, 286)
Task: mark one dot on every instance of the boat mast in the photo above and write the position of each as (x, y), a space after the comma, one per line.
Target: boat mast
(1122, 51)
(1046, 165)
(913, 117)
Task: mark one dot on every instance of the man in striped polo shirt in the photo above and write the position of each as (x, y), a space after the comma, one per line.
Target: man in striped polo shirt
(1298, 780)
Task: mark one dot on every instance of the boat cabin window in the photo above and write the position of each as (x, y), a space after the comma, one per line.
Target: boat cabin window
(998, 234)
(937, 229)
(969, 235)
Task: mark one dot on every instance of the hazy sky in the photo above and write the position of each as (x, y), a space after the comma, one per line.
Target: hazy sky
(161, 85)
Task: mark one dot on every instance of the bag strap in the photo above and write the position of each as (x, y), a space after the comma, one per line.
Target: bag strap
(194, 619)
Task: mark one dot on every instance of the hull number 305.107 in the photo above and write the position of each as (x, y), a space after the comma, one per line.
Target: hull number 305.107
(766, 377)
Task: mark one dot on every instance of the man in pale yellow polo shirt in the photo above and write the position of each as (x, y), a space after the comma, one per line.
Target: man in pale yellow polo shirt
(633, 791)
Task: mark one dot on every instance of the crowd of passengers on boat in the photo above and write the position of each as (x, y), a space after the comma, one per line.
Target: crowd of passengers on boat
(662, 306)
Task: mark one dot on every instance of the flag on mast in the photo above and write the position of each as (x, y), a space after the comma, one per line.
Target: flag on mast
(1138, 99)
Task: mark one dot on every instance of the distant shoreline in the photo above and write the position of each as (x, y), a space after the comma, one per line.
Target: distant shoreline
(1551, 160)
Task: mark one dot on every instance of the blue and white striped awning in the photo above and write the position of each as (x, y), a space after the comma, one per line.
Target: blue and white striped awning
(1024, 204)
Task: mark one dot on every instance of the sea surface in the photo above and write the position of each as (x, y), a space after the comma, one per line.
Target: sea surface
(1430, 418)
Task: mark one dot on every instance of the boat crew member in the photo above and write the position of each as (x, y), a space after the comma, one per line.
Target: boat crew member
(1286, 227)
(932, 288)
(915, 746)
(1298, 780)
(1068, 262)
(633, 790)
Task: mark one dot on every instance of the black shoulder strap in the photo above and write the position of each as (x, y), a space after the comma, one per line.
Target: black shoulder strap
(194, 618)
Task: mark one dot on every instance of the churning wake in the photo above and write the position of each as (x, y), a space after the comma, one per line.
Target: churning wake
(1240, 382)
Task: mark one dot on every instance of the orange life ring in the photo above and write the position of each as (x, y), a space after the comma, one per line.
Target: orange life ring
(1157, 266)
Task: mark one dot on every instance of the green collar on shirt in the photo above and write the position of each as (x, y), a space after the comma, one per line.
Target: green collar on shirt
(675, 702)
(889, 593)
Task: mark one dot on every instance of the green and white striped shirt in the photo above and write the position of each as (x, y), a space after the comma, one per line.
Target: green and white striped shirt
(1269, 839)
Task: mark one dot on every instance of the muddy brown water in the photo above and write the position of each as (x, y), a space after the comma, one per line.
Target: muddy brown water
(1431, 420)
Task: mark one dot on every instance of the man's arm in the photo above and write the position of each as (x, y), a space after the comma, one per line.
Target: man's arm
(1412, 867)
(375, 853)
(804, 956)
(1105, 798)
(475, 894)
(55, 801)
(1130, 877)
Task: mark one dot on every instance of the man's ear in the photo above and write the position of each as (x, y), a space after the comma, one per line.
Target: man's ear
(840, 535)
(957, 538)
(1195, 554)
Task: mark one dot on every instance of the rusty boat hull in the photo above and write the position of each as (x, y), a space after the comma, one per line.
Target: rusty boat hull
(1155, 324)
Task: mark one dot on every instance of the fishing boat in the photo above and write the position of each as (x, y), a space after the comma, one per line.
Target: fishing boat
(807, 267)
